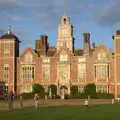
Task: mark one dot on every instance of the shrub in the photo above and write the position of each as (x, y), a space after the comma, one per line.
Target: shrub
(37, 88)
(105, 96)
(74, 90)
(90, 90)
(27, 95)
(83, 96)
(53, 89)
(2, 87)
(1, 98)
(77, 96)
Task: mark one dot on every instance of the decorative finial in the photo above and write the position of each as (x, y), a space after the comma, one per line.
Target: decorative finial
(9, 29)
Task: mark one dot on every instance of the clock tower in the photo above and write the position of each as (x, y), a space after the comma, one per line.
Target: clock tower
(65, 34)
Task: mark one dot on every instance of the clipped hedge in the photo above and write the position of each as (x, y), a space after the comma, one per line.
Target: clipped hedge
(27, 95)
(98, 96)
(105, 96)
(37, 88)
(74, 90)
(31, 95)
(1, 98)
(53, 89)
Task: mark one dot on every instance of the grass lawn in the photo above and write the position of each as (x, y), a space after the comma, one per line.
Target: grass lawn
(79, 112)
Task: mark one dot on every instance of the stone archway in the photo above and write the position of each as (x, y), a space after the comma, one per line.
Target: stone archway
(63, 91)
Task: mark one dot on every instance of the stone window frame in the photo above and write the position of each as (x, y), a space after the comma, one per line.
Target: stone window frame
(101, 66)
(46, 67)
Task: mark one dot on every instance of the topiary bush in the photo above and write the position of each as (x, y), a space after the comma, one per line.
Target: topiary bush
(90, 90)
(53, 89)
(74, 91)
(37, 88)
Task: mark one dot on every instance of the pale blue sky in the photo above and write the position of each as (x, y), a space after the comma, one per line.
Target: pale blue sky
(30, 18)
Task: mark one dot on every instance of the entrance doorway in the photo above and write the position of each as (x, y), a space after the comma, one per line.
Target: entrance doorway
(63, 92)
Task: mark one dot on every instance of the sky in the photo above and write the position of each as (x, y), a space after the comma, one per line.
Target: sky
(31, 18)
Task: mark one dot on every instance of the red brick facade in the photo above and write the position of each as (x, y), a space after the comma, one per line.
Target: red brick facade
(9, 51)
(65, 66)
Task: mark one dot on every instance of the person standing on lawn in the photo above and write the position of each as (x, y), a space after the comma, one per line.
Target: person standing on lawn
(10, 100)
(21, 101)
(86, 103)
(36, 101)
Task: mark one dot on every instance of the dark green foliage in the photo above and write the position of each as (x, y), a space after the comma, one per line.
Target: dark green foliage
(74, 90)
(90, 90)
(37, 88)
(83, 96)
(53, 89)
(77, 96)
(104, 96)
(27, 95)
(2, 87)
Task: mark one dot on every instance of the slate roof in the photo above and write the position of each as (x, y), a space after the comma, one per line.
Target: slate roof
(9, 35)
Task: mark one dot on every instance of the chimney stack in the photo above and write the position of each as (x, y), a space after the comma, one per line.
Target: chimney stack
(86, 43)
(86, 36)
(41, 45)
(38, 44)
(44, 39)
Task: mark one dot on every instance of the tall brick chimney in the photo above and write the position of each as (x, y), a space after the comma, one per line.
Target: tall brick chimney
(38, 44)
(44, 39)
(86, 43)
(41, 45)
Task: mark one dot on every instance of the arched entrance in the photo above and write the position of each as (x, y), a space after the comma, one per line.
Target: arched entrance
(63, 92)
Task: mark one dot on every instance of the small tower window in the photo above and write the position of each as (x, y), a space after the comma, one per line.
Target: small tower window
(64, 20)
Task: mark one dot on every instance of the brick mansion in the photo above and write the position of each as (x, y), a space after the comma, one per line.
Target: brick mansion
(63, 65)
